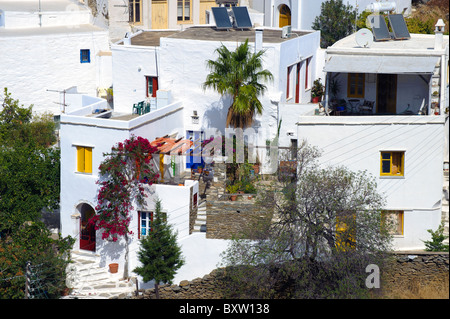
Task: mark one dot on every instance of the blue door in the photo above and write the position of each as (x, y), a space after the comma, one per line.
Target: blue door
(195, 160)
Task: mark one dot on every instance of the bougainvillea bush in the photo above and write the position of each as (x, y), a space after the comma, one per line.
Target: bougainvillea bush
(123, 174)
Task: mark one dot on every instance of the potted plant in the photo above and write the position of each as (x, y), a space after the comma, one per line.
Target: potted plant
(113, 268)
(334, 87)
(317, 91)
(232, 189)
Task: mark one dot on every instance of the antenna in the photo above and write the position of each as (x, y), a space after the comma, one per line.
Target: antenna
(364, 38)
(64, 99)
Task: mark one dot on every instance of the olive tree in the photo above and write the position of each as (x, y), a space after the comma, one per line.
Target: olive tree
(325, 230)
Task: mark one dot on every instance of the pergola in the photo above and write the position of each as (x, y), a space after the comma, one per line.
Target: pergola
(167, 145)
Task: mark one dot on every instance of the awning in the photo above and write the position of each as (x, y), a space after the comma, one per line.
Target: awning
(380, 64)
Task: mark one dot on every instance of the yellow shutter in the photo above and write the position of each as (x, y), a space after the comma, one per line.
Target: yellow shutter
(88, 160)
(80, 159)
(84, 159)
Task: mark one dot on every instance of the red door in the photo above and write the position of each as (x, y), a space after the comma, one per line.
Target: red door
(87, 233)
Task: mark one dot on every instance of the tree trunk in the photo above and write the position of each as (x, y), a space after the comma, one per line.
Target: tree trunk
(125, 267)
(157, 290)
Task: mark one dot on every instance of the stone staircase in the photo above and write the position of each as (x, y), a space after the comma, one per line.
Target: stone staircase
(200, 222)
(87, 280)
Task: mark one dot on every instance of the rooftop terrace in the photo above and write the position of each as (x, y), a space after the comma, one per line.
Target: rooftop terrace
(208, 33)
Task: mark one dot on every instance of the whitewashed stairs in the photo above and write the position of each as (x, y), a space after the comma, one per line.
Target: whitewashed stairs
(200, 222)
(88, 280)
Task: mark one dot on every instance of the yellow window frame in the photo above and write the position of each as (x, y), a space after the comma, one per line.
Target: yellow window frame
(132, 7)
(84, 159)
(345, 236)
(356, 82)
(398, 218)
(395, 160)
(183, 11)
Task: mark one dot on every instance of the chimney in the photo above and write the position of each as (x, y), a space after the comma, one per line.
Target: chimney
(439, 35)
(258, 40)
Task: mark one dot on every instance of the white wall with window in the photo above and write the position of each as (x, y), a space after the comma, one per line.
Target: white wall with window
(411, 176)
(61, 53)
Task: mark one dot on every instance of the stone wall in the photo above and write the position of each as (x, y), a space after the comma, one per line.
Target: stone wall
(409, 271)
(225, 218)
(413, 271)
(199, 288)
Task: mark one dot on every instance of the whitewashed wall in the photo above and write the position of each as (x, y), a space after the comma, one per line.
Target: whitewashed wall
(50, 60)
(130, 66)
(356, 142)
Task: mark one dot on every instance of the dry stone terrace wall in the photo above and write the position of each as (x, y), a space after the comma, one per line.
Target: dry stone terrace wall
(225, 218)
(407, 271)
(412, 270)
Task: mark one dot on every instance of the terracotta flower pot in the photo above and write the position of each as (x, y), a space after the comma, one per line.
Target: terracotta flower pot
(113, 268)
(233, 197)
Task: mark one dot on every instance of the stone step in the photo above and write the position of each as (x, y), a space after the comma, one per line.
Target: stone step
(90, 281)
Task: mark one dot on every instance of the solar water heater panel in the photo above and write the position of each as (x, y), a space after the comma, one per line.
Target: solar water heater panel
(221, 17)
(399, 27)
(379, 28)
(242, 17)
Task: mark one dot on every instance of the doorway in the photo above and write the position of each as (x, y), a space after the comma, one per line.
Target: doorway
(87, 230)
(387, 93)
(285, 16)
(195, 157)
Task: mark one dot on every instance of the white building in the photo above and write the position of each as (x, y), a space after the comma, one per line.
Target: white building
(175, 63)
(167, 70)
(386, 88)
(300, 14)
(88, 134)
(49, 46)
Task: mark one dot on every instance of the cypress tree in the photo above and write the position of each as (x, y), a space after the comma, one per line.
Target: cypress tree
(159, 254)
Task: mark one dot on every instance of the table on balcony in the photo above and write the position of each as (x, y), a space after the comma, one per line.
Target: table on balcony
(354, 105)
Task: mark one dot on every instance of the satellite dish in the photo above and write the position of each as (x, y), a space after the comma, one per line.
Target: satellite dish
(364, 38)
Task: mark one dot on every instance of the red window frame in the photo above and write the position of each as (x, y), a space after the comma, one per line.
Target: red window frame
(154, 86)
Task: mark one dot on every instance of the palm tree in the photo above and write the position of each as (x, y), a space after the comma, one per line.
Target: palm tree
(239, 74)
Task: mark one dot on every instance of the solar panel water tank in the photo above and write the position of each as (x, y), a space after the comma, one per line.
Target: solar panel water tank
(379, 27)
(242, 18)
(221, 17)
(399, 27)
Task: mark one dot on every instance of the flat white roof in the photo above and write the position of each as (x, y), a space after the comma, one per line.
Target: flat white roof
(24, 32)
(33, 5)
(419, 44)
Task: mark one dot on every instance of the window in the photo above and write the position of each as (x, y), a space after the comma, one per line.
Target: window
(84, 159)
(308, 74)
(194, 204)
(135, 11)
(345, 231)
(290, 82)
(145, 220)
(151, 86)
(393, 219)
(85, 56)
(355, 85)
(392, 163)
(184, 10)
(145, 223)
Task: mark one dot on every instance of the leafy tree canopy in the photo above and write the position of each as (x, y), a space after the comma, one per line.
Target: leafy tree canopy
(240, 75)
(325, 230)
(336, 21)
(29, 185)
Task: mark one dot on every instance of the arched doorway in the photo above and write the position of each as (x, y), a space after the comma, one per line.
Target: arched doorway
(87, 230)
(285, 16)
